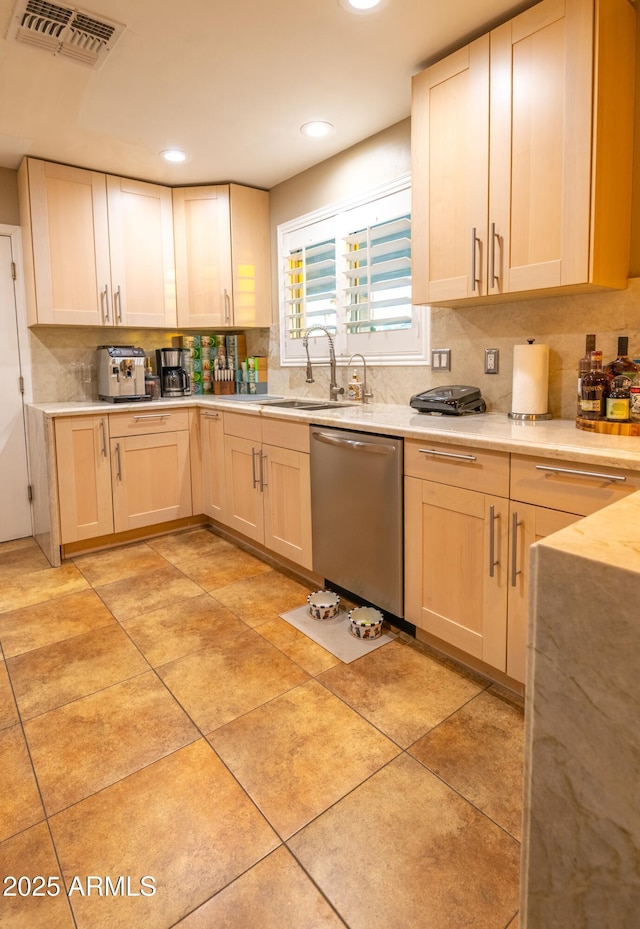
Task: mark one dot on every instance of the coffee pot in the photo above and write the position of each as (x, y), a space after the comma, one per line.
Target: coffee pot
(173, 371)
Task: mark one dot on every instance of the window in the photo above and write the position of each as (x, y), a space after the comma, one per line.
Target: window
(348, 268)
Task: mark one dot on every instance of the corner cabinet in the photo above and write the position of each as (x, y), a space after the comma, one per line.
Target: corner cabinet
(98, 249)
(222, 249)
(268, 484)
(522, 153)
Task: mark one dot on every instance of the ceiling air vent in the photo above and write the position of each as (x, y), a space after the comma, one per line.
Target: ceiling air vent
(63, 30)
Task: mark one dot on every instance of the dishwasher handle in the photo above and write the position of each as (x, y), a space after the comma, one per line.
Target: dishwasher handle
(375, 448)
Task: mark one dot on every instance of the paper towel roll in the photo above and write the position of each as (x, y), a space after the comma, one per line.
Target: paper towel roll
(530, 393)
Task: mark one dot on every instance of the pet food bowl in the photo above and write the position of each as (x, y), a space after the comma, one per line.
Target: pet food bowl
(365, 622)
(323, 604)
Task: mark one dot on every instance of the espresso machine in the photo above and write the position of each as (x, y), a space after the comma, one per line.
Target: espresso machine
(121, 373)
(173, 371)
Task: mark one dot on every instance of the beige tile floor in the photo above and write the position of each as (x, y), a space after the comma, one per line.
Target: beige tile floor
(161, 727)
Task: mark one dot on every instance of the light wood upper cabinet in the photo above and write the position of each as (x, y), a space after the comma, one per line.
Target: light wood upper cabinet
(98, 250)
(141, 246)
(223, 265)
(522, 157)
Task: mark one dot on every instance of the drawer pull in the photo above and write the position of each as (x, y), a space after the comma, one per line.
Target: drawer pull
(212, 416)
(574, 471)
(493, 561)
(432, 451)
(152, 416)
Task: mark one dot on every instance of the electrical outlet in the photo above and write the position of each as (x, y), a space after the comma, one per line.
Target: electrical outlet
(441, 359)
(491, 359)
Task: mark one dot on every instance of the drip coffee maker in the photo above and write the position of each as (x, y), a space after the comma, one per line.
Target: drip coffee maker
(173, 371)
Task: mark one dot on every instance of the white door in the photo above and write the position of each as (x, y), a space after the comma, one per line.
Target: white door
(15, 510)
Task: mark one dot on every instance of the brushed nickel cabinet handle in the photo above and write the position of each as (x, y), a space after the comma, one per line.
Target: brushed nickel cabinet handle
(227, 306)
(103, 428)
(577, 473)
(104, 303)
(493, 277)
(432, 451)
(117, 300)
(263, 483)
(118, 462)
(492, 540)
(138, 416)
(514, 548)
(474, 242)
(253, 467)
(212, 416)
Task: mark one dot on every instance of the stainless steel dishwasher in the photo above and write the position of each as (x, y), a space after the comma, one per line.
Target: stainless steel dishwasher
(356, 509)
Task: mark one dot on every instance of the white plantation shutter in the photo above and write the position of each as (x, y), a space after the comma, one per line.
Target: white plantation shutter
(349, 270)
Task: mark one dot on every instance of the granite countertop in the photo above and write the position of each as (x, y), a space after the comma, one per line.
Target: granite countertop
(554, 438)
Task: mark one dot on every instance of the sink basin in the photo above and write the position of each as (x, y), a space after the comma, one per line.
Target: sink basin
(309, 404)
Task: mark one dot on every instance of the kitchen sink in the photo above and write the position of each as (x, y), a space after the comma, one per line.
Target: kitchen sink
(309, 404)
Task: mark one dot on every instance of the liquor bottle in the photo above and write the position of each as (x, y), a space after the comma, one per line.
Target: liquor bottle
(595, 388)
(584, 366)
(634, 399)
(618, 401)
(622, 365)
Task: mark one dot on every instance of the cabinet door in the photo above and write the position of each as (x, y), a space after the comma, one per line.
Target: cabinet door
(540, 183)
(151, 479)
(456, 567)
(250, 256)
(84, 477)
(141, 244)
(213, 465)
(527, 524)
(450, 152)
(244, 509)
(63, 211)
(287, 503)
(203, 255)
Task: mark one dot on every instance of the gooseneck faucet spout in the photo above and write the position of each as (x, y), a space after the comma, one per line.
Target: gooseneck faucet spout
(334, 390)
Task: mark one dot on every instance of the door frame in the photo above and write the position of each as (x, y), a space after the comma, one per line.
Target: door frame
(24, 350)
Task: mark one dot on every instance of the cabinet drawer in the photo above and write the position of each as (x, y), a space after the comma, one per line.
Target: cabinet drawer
(286, 435)
(564, 485)
(134, 423)
(243, 426)
(473, 468)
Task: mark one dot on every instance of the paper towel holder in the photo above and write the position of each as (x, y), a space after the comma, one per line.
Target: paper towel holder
(529, 417)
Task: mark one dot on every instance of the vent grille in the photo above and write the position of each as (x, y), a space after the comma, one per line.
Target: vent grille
(65, 31)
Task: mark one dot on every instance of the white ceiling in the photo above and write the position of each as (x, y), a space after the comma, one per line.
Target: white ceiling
(230, 83)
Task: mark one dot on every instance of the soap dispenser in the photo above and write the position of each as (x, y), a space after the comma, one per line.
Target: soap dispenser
(354, 389)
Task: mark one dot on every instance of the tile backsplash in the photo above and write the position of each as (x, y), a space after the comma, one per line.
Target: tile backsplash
(561, 322)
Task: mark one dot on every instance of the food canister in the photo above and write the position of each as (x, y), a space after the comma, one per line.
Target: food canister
(365, 622)
(323, 604)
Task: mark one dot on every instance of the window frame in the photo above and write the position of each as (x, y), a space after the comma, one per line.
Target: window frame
(386, 347)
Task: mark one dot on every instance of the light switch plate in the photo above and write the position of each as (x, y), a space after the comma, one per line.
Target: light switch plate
(491, 360)
(441, 359)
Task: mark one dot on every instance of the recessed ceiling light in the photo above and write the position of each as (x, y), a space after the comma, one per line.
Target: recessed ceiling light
(361, 6)
(317, 129)
(173, 154)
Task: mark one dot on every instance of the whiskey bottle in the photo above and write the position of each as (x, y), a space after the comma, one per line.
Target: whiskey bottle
(595, 388)
(584, 366)
(618, 401)
(622, 365)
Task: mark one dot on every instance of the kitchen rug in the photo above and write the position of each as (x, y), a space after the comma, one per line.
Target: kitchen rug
(333, 634)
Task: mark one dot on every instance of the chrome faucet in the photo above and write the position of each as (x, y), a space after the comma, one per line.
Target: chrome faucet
(334, 390)
(366, 394)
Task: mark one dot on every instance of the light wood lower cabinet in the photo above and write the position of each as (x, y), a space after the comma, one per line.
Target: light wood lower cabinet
(456, 567)
(213, 463)
(84, 477)
(268, 486)
(150, 479)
